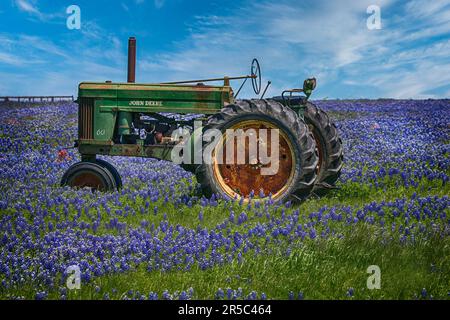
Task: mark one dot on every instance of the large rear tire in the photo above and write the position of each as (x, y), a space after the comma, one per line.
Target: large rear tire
(297, 158)
(329, 145)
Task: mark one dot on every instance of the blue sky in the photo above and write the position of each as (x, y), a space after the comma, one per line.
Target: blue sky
(409, 57)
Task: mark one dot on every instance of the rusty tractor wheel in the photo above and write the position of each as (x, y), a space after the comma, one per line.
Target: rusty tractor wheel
(113, 170)
(329, 145)
(89, 175)
(294, 167)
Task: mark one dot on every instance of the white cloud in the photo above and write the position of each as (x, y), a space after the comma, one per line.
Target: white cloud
(426, 8)
(327, 39)
(447, 94)
(26, 6)
(424, 32)
(9, 59)
(292, 39)
(35, 64)
(415, 83)
(159, 3)
(125, 7)
(211, 20)
(46, 46)
(30, 7)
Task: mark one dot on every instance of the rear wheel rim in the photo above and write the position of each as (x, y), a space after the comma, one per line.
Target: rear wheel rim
(239, 180)
(87, 179)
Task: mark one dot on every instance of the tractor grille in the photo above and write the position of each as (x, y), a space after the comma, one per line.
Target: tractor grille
(85, 118)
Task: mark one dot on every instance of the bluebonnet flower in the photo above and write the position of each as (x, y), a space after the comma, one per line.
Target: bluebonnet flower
(220, 294)
(166, 295)
(291, 295)
(45, 228)
(424, 293)
(41, 295)
(230, 294)
(183, 296)
(252, 296)
(350, 292)
(152, 296)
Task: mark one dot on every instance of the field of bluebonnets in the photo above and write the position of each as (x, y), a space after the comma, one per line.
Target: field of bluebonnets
(158, 239)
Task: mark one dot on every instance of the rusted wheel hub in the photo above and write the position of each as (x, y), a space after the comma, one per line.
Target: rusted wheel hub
(242, 179)
(86, 179)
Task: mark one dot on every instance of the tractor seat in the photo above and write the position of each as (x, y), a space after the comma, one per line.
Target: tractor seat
(293, 101)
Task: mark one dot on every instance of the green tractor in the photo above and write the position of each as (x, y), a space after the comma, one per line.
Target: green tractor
(166, 119)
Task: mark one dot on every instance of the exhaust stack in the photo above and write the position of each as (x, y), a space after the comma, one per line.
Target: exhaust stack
(131, 60)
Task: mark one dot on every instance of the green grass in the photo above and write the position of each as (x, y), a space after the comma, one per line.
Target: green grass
(352, 194)
(322, 269)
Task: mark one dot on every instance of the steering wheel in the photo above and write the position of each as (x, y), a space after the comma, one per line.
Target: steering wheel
(256, 76)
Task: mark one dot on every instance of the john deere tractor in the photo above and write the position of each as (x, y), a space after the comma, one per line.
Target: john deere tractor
(144, 120)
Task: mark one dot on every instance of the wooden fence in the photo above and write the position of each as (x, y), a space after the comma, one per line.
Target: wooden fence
(36, 98)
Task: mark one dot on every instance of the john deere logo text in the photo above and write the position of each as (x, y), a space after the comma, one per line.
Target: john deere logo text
(141, 103)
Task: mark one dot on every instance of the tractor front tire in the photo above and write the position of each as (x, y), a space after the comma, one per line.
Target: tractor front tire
(297, 158)
(89, 175)
(113, 171)
(329, 145)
